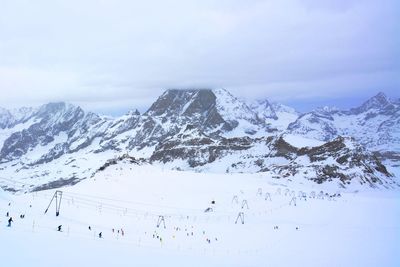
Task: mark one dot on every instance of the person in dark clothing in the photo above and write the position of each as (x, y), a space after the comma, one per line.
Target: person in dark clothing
(90, 228)
(7, 214)
(100, 234)
(59, 228)
(10, 221)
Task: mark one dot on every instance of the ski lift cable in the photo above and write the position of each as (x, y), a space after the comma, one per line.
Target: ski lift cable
(132, 202)
(128, 211)
(87, 198)
(96, 205)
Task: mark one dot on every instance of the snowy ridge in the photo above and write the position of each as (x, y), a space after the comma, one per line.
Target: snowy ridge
(375, 124)
(10, 118)
(205, 130)
(231, 108)
(341, 161)
(275, 114)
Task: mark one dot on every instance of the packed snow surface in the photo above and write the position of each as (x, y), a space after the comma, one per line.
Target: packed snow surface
(125, 201)
(300, 141)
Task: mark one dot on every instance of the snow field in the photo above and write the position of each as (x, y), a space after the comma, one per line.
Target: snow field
(356, 229)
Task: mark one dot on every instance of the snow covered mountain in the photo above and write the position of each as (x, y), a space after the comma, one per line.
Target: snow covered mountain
(275, 114)
(9, 119)
(375, 124)
(204, 130)
(216, 112)
(342, 161)
(60, 142)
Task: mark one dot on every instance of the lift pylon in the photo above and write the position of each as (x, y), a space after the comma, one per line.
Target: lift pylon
(160, 220)
(241, 217)
(57, 197)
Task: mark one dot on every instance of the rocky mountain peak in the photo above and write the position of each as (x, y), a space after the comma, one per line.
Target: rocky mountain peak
(133, 113)
(326, 109)
(379, 102)
(213, 110)
(232, 108)
(182, 101)
(56, 107)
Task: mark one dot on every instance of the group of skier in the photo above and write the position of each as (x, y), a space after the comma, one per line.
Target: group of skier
(188, 231)
(10, 219)
(118, 231)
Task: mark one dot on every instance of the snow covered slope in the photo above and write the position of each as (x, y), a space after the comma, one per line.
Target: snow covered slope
(341, 162)
(241, 118)
(275, 114)
(321, 226)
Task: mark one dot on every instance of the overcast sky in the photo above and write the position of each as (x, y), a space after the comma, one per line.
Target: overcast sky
(112, 56)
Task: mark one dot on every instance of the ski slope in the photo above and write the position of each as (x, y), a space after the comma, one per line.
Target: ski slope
(353, 229)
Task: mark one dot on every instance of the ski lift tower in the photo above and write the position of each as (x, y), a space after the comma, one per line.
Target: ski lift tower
(57, 198)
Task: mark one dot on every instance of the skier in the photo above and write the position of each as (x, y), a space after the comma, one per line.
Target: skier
(101, 235)
(10, 221)
(90, 228)
(59, 228)
(7, 214)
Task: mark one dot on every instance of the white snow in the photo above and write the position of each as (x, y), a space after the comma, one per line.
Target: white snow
(244, 128)
(353, 230)
(300, 141)
(232, 108)
(283, 121)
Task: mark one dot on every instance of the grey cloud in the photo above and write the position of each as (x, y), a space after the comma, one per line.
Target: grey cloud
(113, 51)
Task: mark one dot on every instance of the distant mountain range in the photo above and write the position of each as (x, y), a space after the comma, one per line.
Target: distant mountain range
(375, 124)
(203, 130)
